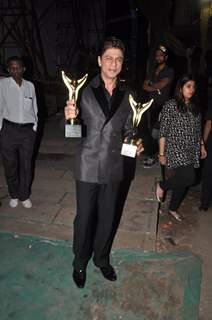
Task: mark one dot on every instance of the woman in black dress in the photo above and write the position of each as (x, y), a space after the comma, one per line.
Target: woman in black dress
(180, 143)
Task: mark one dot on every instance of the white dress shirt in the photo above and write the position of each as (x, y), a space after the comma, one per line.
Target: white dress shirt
(18, 103)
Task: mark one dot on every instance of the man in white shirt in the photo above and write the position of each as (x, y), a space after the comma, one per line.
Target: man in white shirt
(18, 125)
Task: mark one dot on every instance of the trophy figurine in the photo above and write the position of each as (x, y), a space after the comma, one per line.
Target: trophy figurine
(129, 147)
(73, 128)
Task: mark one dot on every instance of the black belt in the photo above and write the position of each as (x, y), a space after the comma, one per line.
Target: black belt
(19, 125)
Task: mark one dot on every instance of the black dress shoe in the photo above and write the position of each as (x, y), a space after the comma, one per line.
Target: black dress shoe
(108, 273)
(79, 278)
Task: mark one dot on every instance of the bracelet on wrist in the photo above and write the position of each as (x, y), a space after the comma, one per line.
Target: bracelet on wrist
(161, 155)
(202, 142)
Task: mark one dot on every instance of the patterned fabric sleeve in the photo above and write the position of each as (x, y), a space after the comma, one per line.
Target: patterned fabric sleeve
(199, 126)
(165, 118)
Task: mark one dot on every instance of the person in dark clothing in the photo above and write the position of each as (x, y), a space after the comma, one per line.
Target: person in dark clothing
(206, 190)
(157, 86)
(208, 61)
(180, 143)
(99, 170)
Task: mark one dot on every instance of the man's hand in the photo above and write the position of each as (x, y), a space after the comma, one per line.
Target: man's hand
(140, 147)
(147, 83)
(71, 111)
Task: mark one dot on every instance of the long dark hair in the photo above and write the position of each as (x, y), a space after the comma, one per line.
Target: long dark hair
(193, 103)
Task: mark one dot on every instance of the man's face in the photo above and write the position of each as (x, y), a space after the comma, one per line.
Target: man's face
(160, 57)
(111, 63)
(16, 69)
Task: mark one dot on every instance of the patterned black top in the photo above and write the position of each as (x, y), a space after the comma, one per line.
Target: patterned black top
(182, 132)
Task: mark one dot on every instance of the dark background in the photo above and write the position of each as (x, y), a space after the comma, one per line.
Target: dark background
(55, 34)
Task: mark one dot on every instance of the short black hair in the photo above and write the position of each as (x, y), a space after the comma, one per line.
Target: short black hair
(112, 42)
(14, 58)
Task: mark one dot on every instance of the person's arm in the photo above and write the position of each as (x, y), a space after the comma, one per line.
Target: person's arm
(165, 119)
(203, 151)
(71, 111)
(206, 131)
(161, 84)
(162, 155)
(151, 87)
(35, 107)
(1, 107)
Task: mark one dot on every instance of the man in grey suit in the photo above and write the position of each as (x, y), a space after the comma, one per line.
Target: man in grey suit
(99, 169)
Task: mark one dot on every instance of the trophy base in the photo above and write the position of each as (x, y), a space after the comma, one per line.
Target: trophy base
(73, 131)
(128, 150)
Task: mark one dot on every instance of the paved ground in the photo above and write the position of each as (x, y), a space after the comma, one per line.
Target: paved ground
(36, 283)
(193, 234)
(53, 196)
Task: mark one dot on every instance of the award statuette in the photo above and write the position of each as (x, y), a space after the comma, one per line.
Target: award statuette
(73, 128)
(129, 148)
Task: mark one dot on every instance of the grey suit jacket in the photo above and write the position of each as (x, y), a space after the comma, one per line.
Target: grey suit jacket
(98, 159)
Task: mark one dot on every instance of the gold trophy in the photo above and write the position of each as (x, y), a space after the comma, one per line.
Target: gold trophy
(129, 147)
(73, 128)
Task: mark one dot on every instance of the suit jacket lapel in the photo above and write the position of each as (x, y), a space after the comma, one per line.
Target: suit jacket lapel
(116, 102)
(102, 100)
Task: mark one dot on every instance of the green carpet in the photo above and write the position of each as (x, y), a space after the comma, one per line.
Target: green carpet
(36, 284)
